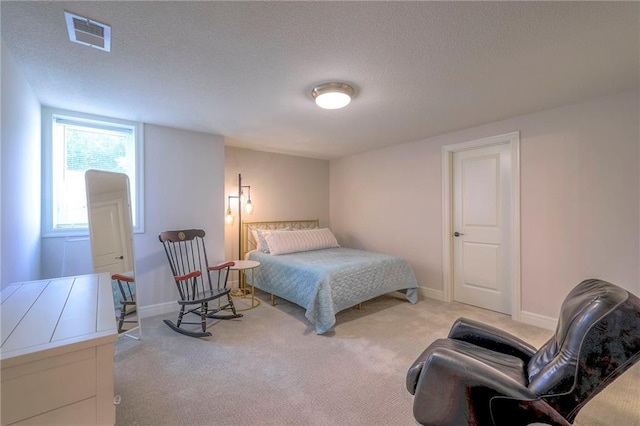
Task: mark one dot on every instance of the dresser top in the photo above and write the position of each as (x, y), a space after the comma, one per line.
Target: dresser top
(54, 314)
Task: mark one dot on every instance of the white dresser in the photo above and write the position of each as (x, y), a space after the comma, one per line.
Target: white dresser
(57, 352)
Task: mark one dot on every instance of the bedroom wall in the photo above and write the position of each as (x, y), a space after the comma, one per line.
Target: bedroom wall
(580, 198)
(184, 181)
(184, 188)
(283, 187)
(19, 176)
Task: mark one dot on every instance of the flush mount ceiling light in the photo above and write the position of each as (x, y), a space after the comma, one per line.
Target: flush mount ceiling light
(332, 95)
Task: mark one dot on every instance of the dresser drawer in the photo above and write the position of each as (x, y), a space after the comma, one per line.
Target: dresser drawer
(38, 387)
(81, 413)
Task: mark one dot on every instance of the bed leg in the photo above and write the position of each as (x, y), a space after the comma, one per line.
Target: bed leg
(359, 306)
(273, 300)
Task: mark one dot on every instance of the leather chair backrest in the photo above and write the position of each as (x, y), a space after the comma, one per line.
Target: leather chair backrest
(596, 340)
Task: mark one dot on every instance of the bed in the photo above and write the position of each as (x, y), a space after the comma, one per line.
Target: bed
(324, 281)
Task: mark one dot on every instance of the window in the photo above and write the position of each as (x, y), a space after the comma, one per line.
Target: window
(74, 143)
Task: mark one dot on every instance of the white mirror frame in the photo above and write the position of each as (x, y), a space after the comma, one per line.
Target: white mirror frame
(111, 232)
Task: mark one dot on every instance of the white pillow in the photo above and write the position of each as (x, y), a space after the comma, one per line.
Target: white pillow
(254, 232)
(259, 237)
(303, 240)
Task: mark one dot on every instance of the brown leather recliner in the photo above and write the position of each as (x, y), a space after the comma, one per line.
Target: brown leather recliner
(481, 375)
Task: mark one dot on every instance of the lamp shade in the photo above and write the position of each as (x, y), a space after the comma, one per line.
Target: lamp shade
(332, 95)
(229, 217)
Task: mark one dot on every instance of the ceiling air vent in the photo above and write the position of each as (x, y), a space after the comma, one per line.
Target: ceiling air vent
(90, 33)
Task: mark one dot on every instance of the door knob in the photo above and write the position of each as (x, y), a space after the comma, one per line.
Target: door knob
(457, 234)
(120, 257)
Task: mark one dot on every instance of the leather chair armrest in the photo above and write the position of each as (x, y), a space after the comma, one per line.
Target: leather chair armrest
(453, 388)
(489, 337)
(413, 375)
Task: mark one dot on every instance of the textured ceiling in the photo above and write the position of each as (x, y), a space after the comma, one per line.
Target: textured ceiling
(245, 70)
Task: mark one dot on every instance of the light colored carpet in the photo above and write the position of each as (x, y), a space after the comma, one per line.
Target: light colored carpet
(270, 368)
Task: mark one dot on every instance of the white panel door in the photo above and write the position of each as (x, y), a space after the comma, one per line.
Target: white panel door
(109, 250)
(481, 212)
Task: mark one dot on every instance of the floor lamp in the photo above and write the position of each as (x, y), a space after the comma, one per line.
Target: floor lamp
(248, 207)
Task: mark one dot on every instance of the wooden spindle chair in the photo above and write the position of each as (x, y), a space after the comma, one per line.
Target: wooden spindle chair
(187, 256)
(127, 301)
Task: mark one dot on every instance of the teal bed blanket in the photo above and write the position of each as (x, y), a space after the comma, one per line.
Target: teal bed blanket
(327, 281)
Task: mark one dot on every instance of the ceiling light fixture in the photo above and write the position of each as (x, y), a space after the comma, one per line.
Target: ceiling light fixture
(332, 95)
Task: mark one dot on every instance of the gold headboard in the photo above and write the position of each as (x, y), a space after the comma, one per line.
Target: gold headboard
(249, 243)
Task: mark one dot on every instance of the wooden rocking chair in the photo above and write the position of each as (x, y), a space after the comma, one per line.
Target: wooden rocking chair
(187, 257)
(127, 301)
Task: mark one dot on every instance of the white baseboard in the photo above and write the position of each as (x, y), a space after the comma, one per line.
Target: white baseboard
(431, 293)
(168, 307)
(542, 321)
(159, 309)
(538, 320)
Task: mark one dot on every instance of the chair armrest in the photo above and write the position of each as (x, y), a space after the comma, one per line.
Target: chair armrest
(489, 337)
(188, 276)
(221, 266)
(122, 278)
(452, 387)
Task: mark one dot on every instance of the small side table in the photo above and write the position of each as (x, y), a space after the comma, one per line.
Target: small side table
(244, 266)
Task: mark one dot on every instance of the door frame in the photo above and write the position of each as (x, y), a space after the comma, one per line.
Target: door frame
(513, 141)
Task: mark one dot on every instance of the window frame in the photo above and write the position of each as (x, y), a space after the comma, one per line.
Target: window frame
(48, 115)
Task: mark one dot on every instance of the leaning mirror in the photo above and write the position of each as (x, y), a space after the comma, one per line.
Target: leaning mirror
(111, 234)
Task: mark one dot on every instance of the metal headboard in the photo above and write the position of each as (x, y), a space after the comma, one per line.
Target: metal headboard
(249, 243)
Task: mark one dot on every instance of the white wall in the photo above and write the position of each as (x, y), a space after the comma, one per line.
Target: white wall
(283, 187)
(19, 176)
(184, 188)
(580, 198)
